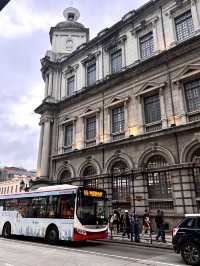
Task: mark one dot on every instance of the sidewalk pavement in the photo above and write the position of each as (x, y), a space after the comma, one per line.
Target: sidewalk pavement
(145, 241)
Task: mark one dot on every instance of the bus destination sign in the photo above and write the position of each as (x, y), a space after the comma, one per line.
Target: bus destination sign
(92, 193)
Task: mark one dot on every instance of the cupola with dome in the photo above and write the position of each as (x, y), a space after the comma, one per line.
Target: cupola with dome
(67, 35)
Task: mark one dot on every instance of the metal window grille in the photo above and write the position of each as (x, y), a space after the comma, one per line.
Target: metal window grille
(156, 161)
(195, 158)
(152, 109)
(116, 61)
(159, 182)
(91, 128)
(184, 26)
(120, 182)
(70, 86)
(68, 135)
(166, 205)
(89, 171)
(146, 45)
(159, 185)
(192, 93)
(118, 120)
(65, 176)
(91, 73)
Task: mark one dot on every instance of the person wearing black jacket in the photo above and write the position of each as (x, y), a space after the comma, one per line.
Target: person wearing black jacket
(126, 224)
(159, 220)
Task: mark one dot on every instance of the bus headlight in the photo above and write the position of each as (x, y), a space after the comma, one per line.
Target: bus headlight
(81, 231)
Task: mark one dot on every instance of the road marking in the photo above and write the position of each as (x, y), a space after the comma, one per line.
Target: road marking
(142, 261)
(8, 264)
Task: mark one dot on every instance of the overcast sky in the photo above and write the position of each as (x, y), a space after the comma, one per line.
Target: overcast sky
(24, 39)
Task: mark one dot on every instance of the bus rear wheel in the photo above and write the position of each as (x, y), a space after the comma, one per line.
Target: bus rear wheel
(52, 235)
(6, 230)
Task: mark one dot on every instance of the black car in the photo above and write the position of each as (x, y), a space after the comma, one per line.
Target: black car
(186, 239)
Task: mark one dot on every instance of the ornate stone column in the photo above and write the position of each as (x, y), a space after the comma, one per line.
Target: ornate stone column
(40, 148)
(44, 169)
(50, 87)
(163, 108)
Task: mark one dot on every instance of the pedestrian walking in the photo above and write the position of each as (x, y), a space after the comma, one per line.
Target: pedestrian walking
(126, 224)
(159, 220)
(135, 230)
(146, 229)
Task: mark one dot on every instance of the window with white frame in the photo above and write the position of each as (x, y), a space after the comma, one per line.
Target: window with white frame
(152, 108)
(118, 121)
(146, 43)
(70, 86)
(184, 26)
(68, 139)
(90, 128)
(91, 72)
(192, 94)
(116, 60)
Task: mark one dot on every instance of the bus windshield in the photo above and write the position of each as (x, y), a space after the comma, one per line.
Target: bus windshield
(92, 207)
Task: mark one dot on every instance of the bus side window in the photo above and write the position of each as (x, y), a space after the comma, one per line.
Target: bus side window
(39, 207)
(67, 203)
(52, 204)
(1, 205)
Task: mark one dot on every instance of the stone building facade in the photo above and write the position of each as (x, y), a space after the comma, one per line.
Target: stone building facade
(122, 111)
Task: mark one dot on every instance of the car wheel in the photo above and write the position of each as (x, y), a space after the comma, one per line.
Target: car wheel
(6, 230)
(52, 235)
(191, 253)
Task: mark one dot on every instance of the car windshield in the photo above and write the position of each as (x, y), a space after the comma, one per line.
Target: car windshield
(92, 210)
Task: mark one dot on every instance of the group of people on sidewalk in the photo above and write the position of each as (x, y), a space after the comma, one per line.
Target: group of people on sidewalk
(129, 225)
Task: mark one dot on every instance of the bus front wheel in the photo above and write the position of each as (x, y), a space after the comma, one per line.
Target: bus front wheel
(52, 235)
(6, 230)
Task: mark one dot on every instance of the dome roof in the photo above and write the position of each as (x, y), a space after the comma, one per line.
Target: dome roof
(70, 24)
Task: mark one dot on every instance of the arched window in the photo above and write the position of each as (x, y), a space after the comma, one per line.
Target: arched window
(158, 181)
(156, 161)
(120, 181)
(65, 177)
(119, 168)
(195, 158)
(89, 173)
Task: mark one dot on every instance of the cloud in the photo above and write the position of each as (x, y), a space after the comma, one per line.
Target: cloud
(19, 19)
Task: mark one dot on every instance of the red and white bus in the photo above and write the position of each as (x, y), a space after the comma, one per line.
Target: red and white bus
(62, 212)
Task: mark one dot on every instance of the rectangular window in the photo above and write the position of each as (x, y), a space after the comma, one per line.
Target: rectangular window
(70, 86)
(68, 135)
(184, 26)
(91, 73)
(146, 45)
(118, 120)
(91, 128)
(152, 109)
(116, 60)
(192, 94)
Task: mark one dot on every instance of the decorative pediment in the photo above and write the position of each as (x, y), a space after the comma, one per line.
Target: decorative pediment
(70, 69)
(90, 57)
(90, 111)
(114, 42)
(187, 72)
(149, 87)
(65, 119)
(117, 100)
